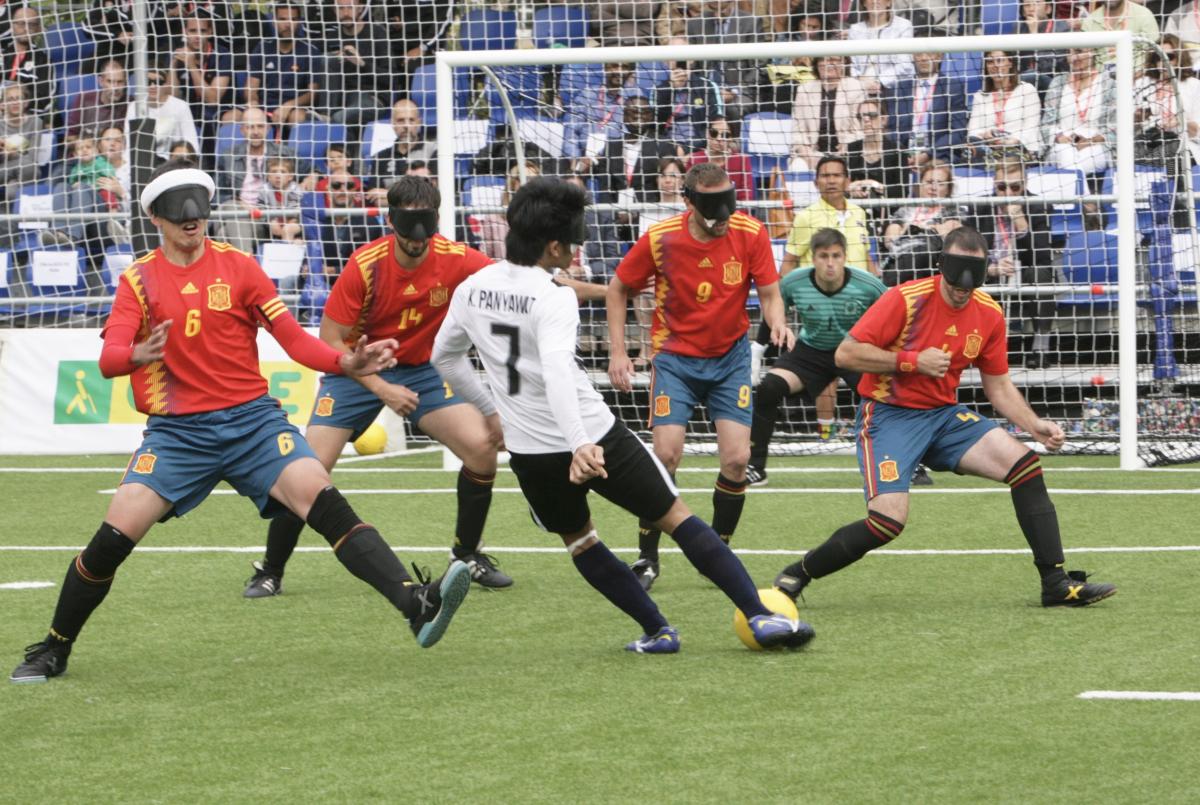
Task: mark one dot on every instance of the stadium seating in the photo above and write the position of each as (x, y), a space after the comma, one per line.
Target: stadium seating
(35, 197)
(68, 45)
(1047, 180)
(1145, 176)
(488, 29)
(72, 85)
(999, 17)
(562, 26)
(117, 258)
(310, 140)
(483, 190)
(766, 140)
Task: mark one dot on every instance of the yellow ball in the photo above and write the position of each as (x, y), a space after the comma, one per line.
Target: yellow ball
(372, 441)
(773, 600)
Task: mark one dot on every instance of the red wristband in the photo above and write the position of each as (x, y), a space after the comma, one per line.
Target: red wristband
(906, 361)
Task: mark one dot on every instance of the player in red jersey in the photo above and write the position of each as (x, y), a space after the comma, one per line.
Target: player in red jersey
(183, 325)
(399, 286)
(912, 347)
(702, 263)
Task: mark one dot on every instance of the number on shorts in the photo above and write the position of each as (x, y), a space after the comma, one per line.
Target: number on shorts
(743, 397)
(514, 352)
(449, 391)
(192, 325)
(704, 292)
(286, 444)
(968, 416)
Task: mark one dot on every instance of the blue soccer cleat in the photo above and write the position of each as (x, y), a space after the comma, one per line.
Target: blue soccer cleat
(664, 641)
(778, 631)
(437, 601)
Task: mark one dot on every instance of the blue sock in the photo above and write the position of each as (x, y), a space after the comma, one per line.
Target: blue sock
(712, 557)
(616, 582)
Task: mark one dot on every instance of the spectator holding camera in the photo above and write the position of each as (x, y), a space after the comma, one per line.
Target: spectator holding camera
(1006, 113)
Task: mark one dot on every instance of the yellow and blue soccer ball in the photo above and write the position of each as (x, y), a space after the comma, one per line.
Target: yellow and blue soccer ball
(372, 441)
(772, 599)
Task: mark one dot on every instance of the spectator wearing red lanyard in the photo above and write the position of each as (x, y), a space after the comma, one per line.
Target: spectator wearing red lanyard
(24, 58)
(928, 112)
(1006, 113)
(722, 150)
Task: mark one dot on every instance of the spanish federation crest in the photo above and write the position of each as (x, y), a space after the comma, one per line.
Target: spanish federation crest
(971, 350)
(324, 406)
(145, 464)
(219, 297)
(888, 471)
(733, 273)
(439, 296)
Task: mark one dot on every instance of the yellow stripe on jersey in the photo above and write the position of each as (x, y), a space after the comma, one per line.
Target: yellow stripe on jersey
(659, 335)
(449, 247)
(156, 388)
(919, 288)
(675, 222)
(145, 258)
(222, 247)
(133, 276)
(742, 221)
(985, 299)
(374, 252)
(274, 308)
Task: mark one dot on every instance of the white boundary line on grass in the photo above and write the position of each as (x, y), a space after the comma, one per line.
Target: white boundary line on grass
(708, 470)
(799, 490)
(1142, 695)
(257, 549)
(26, 585)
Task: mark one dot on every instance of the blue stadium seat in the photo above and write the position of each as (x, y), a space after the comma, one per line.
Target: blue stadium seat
(117, 257)
(999, 17)
(967, 68)
(1048, 180)
(563, 26)
(648, 75)
(1090, 258)
(28, 239)
(578, 79)
(71, 85)
(767, 142)
(48, 288)
(68, 45)
(483, 190)
(230, 134)
(488, 29)
(1146, 175)
(524, 87)
(310, 140)
(422, 89)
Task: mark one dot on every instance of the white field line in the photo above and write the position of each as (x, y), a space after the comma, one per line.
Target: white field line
(1052, 470)
(257, 549)
(26, 585)
(799, 490)
(1142, 695)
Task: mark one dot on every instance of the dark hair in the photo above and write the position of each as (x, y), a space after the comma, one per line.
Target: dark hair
(676, 161)
(704, 174)
(172, 165)
(965, 239)
(543, 209)
(184, 143)
(414, 191)
(825, 239)
(829, 159)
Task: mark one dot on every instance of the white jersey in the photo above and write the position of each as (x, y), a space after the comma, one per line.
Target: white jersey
(524, 328)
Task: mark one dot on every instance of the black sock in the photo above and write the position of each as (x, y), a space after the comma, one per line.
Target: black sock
(1036, 516)
(616, 582)
(474, 500)
(763, 336)
(713, 558)
(88, 581)
(648, 539)
(360, 548)
(849, 544)
(729, 498)
(771, 391)
(282, 536)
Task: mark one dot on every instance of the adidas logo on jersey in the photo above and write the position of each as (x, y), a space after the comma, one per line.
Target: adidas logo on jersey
(706, 263)
(951, 330)
(410, 290)
(189, 288)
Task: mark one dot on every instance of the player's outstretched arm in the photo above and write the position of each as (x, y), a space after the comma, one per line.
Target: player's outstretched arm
(308, 350)
(861, 356)
(367, 359)
(620, 368)
(1010, 403)
(449, 357)
(775, 315)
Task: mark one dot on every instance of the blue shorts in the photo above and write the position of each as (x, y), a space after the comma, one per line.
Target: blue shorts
(893, 440)
(679, 383)
(343, 402)
(183, 457)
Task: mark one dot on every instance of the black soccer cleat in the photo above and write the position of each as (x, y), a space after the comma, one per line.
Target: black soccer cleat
(920, 477)
(42, 661)
(435, 602)
(646, 571)
(484, 571)
(1075, 591)
(792, 581)
(262, 584)
(755, 476)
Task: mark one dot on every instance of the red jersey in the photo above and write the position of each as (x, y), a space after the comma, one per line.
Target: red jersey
(700, 289)
(216, 305)
(376, 296)
(914, 316)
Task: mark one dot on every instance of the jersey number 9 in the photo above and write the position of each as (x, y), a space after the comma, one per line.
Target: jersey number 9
(704, 292)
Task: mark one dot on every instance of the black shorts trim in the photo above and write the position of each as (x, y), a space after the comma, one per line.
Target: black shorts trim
(637, 482)
(816, 369)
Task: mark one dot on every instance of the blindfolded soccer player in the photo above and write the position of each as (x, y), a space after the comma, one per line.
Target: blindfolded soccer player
(912, 347)
(183, 327)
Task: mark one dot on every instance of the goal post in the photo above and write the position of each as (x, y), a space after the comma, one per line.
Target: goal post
(1124, 190)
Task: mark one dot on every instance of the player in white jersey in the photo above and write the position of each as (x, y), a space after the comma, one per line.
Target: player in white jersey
(562, 438)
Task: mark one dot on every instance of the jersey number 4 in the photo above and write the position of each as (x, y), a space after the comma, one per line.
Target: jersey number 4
(514, 353)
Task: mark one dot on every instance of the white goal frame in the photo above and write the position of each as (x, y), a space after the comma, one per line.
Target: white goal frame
(1122, 41)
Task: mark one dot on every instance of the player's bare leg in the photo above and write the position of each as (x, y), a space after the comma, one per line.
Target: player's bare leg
(305, 489)
(999, 457)
(464, 430)
(729, 493)
(132, 511)
(283, 534)
(776, 386)
(886, 516)
(668, 448)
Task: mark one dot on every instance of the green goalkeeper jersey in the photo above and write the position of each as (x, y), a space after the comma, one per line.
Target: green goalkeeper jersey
(827, 317)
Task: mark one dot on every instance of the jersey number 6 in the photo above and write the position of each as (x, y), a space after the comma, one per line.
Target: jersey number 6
(514, 352)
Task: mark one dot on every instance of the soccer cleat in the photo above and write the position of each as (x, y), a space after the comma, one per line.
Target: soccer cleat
(262, 584)
(437, 601)
(484, 571)
(825, 431)
(920, 476)
(42, 661)
(791, 583)
(1075, 591)
(646, 571)
(756, 476)
(664, 641)
(779, 631)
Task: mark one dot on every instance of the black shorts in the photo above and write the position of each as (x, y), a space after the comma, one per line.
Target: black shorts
(637, 482)
(815, 368)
